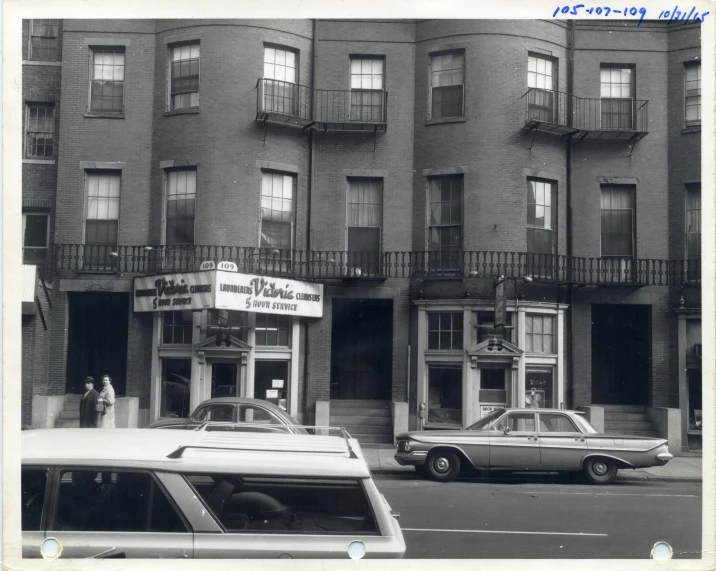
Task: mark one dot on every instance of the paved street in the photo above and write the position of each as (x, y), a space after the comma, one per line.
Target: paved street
(543, 517)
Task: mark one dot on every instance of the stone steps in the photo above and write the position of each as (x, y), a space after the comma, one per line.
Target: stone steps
(368, 421)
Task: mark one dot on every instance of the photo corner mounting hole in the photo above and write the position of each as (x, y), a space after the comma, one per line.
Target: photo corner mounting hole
(661, 552)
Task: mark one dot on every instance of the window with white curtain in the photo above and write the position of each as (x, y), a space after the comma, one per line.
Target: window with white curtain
(540, 219)
(277, 190)
(539, 333)
(280, 78)
(367, 80)
(618, 220)
(540, 80)
(693, 221)
(107, 82)
(365, 221)
(102, 215)
(617, 96)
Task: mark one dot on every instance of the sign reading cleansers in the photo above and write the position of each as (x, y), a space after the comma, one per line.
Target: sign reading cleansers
(227, 290)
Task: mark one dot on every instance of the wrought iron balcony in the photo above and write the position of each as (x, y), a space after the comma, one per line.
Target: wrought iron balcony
(371, 265)
(335, 109)
(565, 114)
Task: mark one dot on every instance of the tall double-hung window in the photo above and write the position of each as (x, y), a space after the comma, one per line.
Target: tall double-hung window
(280, 93)
(445, 221)
(693, 221)
(107, 80)
(365, 221)
(617, 88)
(540, 81)
(184, 76)
(367, 84)
(102, 215)
(692, 92)
(43, 40)
(447, 84)
(618, 222)
(277, 206)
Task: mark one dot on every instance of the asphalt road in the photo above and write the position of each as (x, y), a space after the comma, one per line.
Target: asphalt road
(541, 517)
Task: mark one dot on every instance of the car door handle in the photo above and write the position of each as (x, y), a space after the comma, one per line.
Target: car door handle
(580, 440)
(535, 438)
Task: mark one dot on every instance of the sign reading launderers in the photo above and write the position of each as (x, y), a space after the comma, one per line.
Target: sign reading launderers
(265, 294)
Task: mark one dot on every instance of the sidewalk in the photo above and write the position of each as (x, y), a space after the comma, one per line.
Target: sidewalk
(683, 468)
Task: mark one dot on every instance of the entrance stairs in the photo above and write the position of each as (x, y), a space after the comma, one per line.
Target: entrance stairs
(69, 416)
(629, 420)
(368, 421)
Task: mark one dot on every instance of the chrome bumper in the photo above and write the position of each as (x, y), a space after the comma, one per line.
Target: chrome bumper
(411, 458)
(663, 458)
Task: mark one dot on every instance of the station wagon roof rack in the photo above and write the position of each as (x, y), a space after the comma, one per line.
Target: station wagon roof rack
(320, 442)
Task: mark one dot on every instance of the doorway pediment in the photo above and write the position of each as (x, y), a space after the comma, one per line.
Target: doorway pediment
(209, 348)
(509, 355)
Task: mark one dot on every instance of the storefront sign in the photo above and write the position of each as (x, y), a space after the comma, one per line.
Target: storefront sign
(487, 409)
(264, 294)
(271, 394)
(175, 292)
(228, 290)
(277, 383)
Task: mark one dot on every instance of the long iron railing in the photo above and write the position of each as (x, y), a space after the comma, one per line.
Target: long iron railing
(339, 264)
(587, 115)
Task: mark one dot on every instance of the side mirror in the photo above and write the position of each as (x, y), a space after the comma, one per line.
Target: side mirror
(506, 430)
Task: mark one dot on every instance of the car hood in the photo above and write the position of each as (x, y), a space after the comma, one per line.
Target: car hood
(168, 422)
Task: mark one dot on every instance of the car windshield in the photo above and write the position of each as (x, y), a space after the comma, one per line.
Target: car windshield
(484, 423)
(584, 424)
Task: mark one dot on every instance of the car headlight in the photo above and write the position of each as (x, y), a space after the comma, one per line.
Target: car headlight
(403, 446)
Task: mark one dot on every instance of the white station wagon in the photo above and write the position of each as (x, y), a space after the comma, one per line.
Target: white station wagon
(136, 493)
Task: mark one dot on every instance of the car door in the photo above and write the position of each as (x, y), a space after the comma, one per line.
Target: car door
(514, 443)
(35, 484)
(109, 513)
(562, 444)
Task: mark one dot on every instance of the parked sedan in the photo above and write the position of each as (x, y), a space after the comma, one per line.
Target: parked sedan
(237, 413)
(524, 440)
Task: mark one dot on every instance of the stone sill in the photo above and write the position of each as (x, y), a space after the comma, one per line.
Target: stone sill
(186, 111)
(100, 115)
(38, 161)
(691, 129)
(443, 120)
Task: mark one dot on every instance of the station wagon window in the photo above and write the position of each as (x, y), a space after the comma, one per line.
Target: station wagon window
(518, 422)
(303, 506)
(33, 485)
(555, 423)
(107, 501)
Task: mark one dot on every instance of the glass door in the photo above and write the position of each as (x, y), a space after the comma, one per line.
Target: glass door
(224, 380)
(271, 380)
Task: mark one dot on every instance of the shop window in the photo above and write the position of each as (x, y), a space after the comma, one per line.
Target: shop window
(272, 330)
(33, 485)
(43, 40)
(184, 76)
(88, 500)
(176, 385)
(280, 81)
(367, 80)
(445, 330)
(176, 327)
(447, 84)
(692, 92)
(539, 387)
(39, 131)
(445, 394)
(238, 321)
(107, 80)
(695, 399)
(445, 222)
(35, 235)
(365, 220)
(305, 506)
(539, 333)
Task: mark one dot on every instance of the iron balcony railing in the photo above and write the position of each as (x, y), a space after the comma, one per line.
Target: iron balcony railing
(365, 265)
(605, 118)
(334, 108)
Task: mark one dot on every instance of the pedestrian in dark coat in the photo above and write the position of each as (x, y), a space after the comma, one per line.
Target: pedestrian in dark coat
(88, 405)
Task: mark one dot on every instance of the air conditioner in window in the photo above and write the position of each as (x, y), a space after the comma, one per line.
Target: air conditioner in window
(697, 350)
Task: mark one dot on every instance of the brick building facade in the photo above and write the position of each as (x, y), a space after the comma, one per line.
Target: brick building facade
(401, 169)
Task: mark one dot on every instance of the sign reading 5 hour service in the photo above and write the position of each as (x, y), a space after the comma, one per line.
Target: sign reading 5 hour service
(264, 294)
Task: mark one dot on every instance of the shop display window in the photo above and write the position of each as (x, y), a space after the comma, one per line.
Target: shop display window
(176, 385)
(273, 330)
(539, 387)
(695, 402)
(176, 327)
(445, 394)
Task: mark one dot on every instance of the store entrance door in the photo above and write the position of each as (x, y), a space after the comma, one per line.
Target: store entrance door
(271, 382)
(224, 380)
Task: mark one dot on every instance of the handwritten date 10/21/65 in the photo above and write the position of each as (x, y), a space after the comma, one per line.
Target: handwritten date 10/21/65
(606, 11)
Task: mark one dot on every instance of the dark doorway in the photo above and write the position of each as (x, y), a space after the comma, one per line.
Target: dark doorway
(362, 349)
(223, 380)
(97, 340)
(621, 354)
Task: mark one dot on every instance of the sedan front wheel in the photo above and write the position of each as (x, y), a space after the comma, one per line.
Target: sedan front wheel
(442, 466)
(600, 470)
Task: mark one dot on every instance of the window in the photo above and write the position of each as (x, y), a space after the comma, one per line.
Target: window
(43, 40)
(518, 422)
(539, 333)
(280, 77)
(272, 330)
(176, 386)
(107, 80)
(216, 412)
(540, 219)
(541, 101)
(539, 387)
(556, 423)
(445, 330)
(238, 321)
(303, 506)
(617, 213)
(177, 327)
(88, 500)
(694, 380)
(184, 76)
(257, 415)
(693, 221)
(617, 97)
(35, 237)
(181, 202)
(692, 92)
(102, 220)
(447, 72)
(33, 485)
(445, 394)
(365, 217)
(367, 80)
(276, 210)
(39, 131)
(445, 222)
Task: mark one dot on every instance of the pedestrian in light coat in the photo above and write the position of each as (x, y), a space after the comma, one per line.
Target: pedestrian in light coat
(106, 419)
(88, 412)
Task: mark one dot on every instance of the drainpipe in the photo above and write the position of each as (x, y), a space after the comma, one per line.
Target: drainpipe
(568, 148)
(311, 150)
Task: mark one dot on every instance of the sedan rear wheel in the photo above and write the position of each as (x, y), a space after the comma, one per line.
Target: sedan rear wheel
(442, 466)
(600, 470)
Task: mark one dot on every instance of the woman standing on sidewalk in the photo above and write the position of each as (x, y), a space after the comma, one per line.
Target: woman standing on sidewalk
(106, 419)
